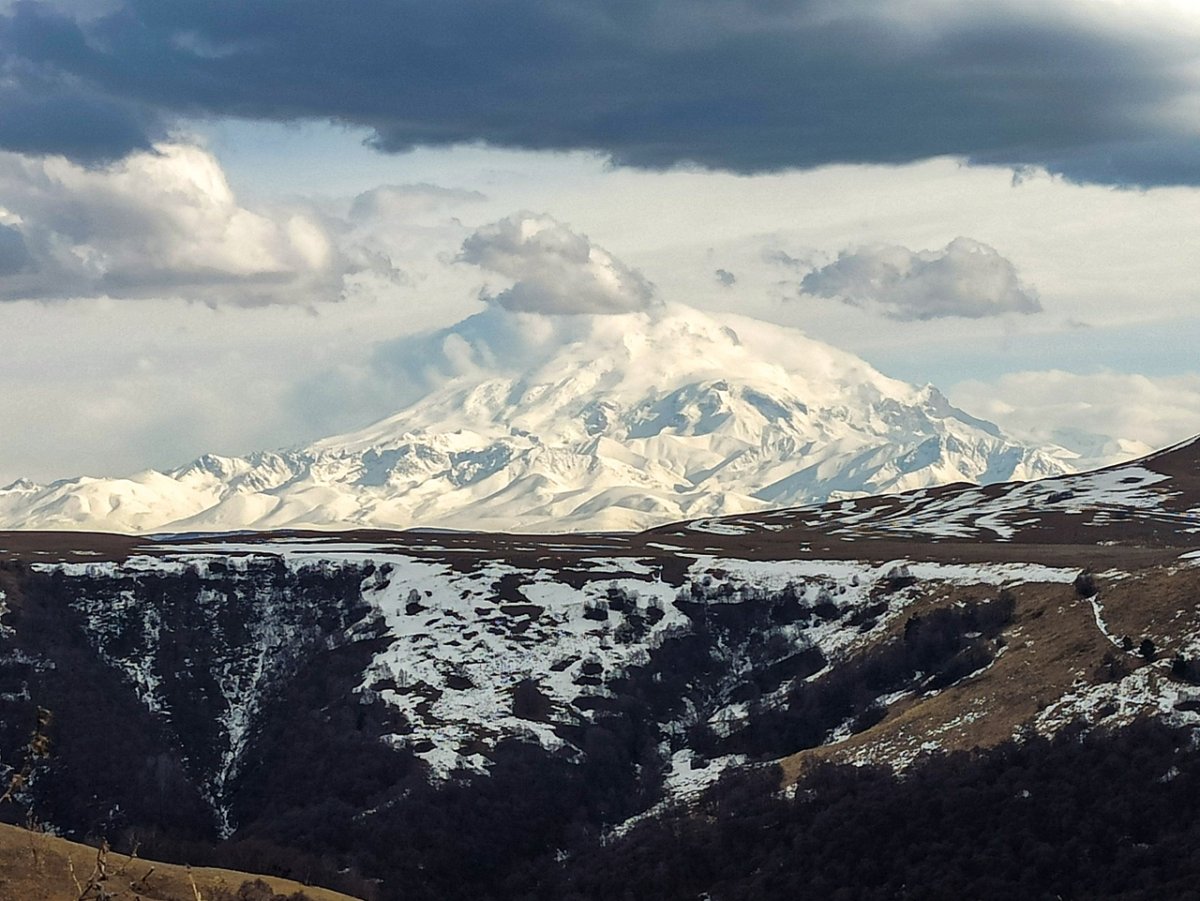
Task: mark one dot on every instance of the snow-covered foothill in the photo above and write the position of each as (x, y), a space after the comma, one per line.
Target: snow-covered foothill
(1133, 493)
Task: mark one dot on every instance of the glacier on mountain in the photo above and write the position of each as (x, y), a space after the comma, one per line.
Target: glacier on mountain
(596, 422)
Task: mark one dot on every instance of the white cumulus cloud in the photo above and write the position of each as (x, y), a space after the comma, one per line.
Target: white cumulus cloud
(1106, 417)
(554, 269)
(966, 278)
(161, 224)
(404, 201)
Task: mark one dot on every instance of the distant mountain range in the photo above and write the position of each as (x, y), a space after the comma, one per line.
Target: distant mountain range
(627, 422)
(434, 714)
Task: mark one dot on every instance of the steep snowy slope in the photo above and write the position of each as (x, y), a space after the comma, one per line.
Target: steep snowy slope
(582, 422)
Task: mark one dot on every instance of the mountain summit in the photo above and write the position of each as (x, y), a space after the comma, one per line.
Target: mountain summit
(600, 422)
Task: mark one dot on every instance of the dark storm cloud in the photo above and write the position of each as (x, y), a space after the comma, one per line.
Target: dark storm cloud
(81, 124)
(14, 255)
(46, 108)
(743, 85)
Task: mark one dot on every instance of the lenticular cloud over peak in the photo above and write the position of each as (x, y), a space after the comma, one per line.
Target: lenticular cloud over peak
(556, 271)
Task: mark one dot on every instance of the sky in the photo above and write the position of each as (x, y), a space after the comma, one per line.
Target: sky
(216, 214)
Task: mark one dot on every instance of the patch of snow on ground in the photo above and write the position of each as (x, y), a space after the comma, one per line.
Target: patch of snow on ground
(4, 629)
(1147, 690)
(972, 513)
(777, 573)
(461, 651)
(688, 776)
(139, 671)
(1094, 600)
(718, 527)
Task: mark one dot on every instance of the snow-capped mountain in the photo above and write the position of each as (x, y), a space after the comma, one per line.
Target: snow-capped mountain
(582, 422)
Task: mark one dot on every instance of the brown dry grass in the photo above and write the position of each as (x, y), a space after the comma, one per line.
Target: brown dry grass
(69, 547)
(39, 867)
(1053, 646)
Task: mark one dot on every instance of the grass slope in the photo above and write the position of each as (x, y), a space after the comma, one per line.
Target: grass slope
(40, 867)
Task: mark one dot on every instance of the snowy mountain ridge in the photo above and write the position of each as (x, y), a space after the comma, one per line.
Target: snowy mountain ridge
(620, 422)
